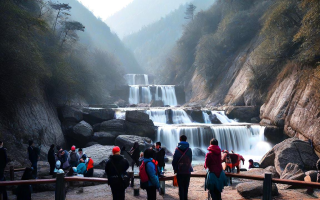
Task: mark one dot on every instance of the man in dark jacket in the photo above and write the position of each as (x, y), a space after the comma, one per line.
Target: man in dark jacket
(159, 154)
(181, 164)
(116, 164)
(33, 157)
(51, 159)
(3, 163)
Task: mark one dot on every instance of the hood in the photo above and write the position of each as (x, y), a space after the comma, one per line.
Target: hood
(58, 164)
(214, 149)
(147, 159)
(183, 145)
(116, 157)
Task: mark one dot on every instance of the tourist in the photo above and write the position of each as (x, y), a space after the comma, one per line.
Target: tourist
(216, 179)
(181, 164)
(159, 156)
(152, 174)
(3, 163)
(73, 157)
(81, 168)
(135, 153)
(80, 153)
(33, 157)
(51, 159)
(24, 191)
(116, 166)
(89, 164)
(63, 157)
(141, 158)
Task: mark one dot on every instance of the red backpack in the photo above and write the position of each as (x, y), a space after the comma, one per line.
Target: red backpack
(144, 177)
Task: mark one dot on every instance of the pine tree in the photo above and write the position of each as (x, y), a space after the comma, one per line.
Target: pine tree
(190, 11)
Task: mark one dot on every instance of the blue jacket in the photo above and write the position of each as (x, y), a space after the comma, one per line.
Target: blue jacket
(177, 155)
(81, 168)
(152, 173)
(212, 182)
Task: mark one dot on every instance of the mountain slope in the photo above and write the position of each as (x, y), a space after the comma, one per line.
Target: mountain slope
(140, 13)
(98, 34)
(152, 43)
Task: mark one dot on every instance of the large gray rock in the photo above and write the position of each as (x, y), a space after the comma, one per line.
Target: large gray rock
(99, 154)
(115, 125)
(291, 150)
(292, 172)
(82, 133)
(254, 189)
(70, 113)
(137, 117)
(104, 138)
(143, 130)
(243, 113)
(198, 152)
(214, 119)
(94, 116)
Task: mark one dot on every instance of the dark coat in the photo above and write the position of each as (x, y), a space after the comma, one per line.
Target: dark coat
(159, 156)
(183, 146)
(3, 158)
(120, 163)
(33, 155)
(51, 156)
(213, 160)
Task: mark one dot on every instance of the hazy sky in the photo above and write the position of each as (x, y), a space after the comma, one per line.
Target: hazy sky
(105, 8)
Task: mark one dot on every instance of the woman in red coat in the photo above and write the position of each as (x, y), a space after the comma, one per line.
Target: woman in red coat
(216, 178)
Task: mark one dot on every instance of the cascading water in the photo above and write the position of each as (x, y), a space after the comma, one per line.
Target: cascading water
(157, 116)
(180, 117)
(130, 78)
(134, 94)
(221, 116)
(168, 94)
(237, 138)
(146, 79)
(146, 95)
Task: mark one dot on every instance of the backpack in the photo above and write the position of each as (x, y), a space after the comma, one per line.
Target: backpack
(73, 157)
(144, 177)
(184, 163)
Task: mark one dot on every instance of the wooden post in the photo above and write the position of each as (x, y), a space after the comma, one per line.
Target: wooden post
(60, 187)
(11, 173)
(163, 187)
(267, 186)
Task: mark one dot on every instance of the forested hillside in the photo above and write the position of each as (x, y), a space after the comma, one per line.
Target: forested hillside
(141, 13)
(152, 43)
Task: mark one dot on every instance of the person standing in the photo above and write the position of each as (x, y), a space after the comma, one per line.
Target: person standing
(51, 159)
(159, 156)
(3, 163)
(135, 154)
(152, 174)
(33, 157)
(181, 164)
(73, 157)
(216, 178)
(115, 166)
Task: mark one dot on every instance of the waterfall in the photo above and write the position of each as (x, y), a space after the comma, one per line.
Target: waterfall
(157, 116)
(146, 79)
(130, 78)
(219, 114)
(237, 138)
(134, 94)
(168, 94)
(146, 95)
(206, 117)
(180, 117)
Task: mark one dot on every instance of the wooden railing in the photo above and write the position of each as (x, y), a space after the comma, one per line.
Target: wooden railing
(61, 180)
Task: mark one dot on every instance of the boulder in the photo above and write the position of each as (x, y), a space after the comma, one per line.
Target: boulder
(273, 171)
(99, 154)
(143, 130)
(254, 189)
(313, 175)
(67, 127)
(96, 127)
(99, 173)
(243, 113)
(137, 117)
(214, 119)
(94, 116)
(292, 172)
(69, 113)
(196, 115)
(80, 135)
(115, 125)
(89, 144)
(104, 138)
(198, 152)
(291, 150)
(274, 134)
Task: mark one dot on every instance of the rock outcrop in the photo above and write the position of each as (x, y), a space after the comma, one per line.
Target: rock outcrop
(99, 154)
(81, 134)
(94, 116)
(104, 138)
(254, 189)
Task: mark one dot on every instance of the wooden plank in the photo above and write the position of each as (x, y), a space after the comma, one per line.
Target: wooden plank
(27, 182)
(60, 193)
(88, 179)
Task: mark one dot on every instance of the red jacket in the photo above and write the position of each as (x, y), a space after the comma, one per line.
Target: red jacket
(213, 160)
(90, 164)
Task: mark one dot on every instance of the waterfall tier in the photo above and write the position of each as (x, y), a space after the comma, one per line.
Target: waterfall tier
(137, 79)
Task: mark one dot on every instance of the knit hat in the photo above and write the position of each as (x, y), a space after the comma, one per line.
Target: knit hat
(73, 148)
(115, 149)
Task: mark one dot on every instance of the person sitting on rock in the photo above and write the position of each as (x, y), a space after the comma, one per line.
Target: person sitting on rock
(81, 153)
(82, 167)
(73, 157)
(89, 163)
(63, 157)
